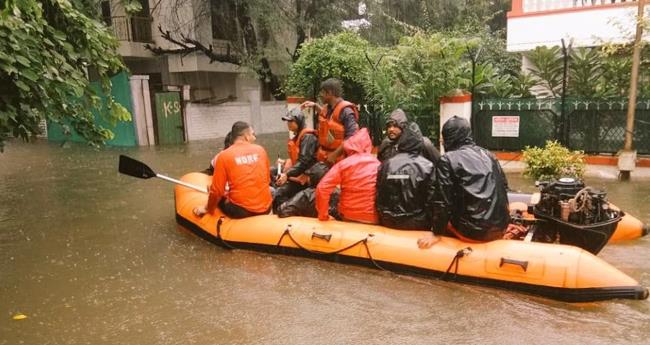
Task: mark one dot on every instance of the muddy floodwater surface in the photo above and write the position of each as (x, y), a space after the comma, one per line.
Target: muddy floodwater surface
(90, 256)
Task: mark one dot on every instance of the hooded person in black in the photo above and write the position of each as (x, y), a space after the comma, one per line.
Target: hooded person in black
(471, 188)
(396, 124)
(405, 187)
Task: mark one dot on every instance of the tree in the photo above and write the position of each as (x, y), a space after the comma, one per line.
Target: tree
(392, 19)
(546, 68)
(585, 72)
(46, 49)
(256, 31)
(321, 59)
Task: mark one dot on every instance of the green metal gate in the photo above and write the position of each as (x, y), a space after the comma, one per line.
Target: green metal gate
(539, 121)
(593, 126)
(170, 118)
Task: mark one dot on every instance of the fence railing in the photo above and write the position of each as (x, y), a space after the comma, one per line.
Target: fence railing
(132, 29)
(594, 126)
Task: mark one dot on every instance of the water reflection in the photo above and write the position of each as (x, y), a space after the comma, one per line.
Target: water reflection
(91, 256)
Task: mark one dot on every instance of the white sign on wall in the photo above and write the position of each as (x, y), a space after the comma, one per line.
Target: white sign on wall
(505, 126)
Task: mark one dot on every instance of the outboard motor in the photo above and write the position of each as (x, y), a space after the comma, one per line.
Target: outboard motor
(575, 214)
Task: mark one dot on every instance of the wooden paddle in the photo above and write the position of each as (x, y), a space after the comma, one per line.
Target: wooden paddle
(135, 168)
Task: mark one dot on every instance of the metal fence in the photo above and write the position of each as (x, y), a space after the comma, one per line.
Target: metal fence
(594, 126)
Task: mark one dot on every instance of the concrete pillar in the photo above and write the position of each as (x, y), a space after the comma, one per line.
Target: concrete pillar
(460, 106)
(255, 99)
(142, 114)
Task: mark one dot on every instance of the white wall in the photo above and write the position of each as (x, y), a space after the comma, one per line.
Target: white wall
(205, 121)
(272, 113)
(590, 27)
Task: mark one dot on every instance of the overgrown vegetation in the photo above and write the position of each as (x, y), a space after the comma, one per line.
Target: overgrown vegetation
(344, 56)
(46, 49)
(553, 161)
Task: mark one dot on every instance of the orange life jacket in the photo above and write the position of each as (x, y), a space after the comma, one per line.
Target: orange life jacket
(331, 132)
(293, 146)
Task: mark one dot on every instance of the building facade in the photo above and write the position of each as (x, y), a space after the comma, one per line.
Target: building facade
(581, 23)
(209, 91)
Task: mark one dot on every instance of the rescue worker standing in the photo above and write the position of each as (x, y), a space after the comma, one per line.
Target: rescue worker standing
(357, 176)
(337, 121)
(404, 186)
(245, 167)
(471, 189)
(302, 155)
(395, 125)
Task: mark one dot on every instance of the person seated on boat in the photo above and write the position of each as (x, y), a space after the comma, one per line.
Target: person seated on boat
(303, 203)
(302, 155)
(395, 125)
(470, 189)
(227, 141)
(337, 121)
(245, 167)
(357, 177)
(404, 186)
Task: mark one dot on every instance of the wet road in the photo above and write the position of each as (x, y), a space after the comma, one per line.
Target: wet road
(94, 257)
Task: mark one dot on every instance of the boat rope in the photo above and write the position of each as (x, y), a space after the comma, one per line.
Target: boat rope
(225, 244)
(364, 241)
(459, 254)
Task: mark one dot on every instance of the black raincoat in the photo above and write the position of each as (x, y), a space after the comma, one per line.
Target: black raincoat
(471, 188)
(388, 148)
(303, 203)
(405, 187)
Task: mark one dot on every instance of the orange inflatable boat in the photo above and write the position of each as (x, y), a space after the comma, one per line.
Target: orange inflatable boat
(555, 271)
(629, 228)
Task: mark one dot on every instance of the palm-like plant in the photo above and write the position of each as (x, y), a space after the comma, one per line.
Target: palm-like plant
(585, 72)
(521, 85)
(547, 67)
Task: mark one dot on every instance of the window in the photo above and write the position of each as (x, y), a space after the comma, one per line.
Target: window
(106, 13)
(224, 19)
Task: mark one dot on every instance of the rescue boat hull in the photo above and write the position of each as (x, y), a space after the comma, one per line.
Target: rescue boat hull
(559, 272)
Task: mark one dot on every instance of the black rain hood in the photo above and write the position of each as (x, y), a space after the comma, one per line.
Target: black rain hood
(297, 116)
(456, 132)
(410, 141)
(398, 116)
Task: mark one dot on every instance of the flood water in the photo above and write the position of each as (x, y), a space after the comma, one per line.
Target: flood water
(94, 257)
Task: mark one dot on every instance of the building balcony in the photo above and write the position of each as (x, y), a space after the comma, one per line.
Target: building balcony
(581, 23)
(131, 29)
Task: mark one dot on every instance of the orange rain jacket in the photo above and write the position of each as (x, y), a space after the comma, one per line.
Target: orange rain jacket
(357, 175)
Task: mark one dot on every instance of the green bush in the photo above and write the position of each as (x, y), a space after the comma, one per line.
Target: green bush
(552, 162)
(341, 56)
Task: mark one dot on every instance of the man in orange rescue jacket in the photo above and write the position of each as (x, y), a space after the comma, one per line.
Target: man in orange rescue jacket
(245, 167)
(337, 121)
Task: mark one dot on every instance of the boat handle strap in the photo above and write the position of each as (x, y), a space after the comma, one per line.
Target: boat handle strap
(364, 241)
(225, 244)
(520, 263)
(326, 237)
